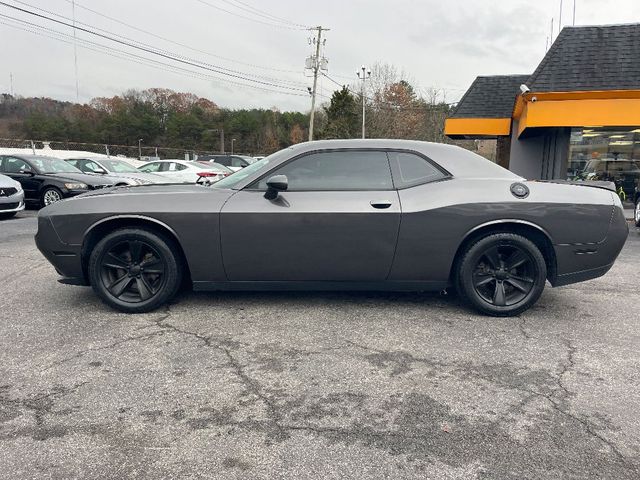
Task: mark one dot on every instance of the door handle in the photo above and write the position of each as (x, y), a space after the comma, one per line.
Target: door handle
(380, 203)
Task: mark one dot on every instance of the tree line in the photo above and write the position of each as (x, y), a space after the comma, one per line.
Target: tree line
(165, 118)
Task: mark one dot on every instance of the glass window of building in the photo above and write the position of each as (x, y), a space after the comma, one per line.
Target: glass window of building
(605, 154)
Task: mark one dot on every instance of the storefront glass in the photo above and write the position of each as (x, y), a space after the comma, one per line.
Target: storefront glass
(606, 154)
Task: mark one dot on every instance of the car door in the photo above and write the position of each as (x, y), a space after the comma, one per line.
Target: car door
(338, 221)
(21, 171)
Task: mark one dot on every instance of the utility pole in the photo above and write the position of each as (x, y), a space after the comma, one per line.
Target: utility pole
(221, 140)
(316, 66)
(11, 83)
(574, 13)
(560, 18)
(139, 149)
(75, 48)
(551, 37)
(363, 74)
(233, 140)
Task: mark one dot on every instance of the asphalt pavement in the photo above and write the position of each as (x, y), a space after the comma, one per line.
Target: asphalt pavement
(315, 385)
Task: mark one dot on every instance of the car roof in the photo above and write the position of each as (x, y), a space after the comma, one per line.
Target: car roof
(456, 160)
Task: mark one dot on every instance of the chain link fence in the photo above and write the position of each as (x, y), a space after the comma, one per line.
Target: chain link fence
(143, 152)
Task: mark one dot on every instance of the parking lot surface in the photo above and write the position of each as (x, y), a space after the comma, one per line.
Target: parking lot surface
(315, 385)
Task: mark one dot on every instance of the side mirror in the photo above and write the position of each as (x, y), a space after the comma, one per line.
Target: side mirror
(277, 183)
(100, 171)
(27, 172)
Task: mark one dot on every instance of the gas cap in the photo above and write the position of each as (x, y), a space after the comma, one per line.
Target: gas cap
(519, 190)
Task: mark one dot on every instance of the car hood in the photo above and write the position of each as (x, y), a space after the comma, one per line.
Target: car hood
(82, 177)
(7, 182)
(150, 189)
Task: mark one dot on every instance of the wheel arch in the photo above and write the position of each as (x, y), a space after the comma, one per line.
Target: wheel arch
(538, 235)
(99, 229)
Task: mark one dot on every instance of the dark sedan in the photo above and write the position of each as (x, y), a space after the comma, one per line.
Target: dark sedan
(46, 180)
(341, 215)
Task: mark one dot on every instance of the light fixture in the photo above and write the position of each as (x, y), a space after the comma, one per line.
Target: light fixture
(621, 143)
(637, 130)
(617, 136)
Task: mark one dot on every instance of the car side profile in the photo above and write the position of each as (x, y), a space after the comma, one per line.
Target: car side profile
(124, 172)
(46, 180)
(183, 171)
(233, 162)
(340, 215)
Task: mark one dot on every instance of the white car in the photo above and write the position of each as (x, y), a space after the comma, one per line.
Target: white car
(183, 171)
(11, 197)
(126, 173)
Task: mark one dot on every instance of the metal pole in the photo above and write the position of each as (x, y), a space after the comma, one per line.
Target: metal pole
(363, 102)
(222, 140)
(574, 13)
(232, 142)
(316, 69)
(560, 18)
(139, 149)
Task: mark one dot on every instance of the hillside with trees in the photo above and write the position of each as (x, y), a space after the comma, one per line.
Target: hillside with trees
(167, 119)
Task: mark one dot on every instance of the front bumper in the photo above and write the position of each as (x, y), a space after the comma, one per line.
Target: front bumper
(12, 204)
(65, 258)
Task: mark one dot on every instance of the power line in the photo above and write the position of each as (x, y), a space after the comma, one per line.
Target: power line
(160, 53)
(259, 77)
(106, 50)
(146, 32)
(262, 13)
(249, 18)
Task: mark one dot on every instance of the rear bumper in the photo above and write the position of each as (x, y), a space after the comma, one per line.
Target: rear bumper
(580, 262)
(65, 258)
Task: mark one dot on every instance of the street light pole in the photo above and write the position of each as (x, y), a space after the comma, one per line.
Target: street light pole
(363, 74)
(233, 140)
(139, 149)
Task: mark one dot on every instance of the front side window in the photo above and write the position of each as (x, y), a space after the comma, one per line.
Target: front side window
(13, 165)
(238, 162)
(410, 169)
(336, 170)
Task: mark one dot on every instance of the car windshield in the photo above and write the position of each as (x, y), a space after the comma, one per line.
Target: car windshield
(232, 180)
(52, 165)
(119, 166)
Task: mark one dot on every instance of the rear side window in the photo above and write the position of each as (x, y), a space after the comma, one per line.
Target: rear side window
(151, 167)
(410, 169)
(336, 170)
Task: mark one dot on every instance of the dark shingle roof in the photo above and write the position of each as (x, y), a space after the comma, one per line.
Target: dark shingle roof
(490, 97)
(591, 58)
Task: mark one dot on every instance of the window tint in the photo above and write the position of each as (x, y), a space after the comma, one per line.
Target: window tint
(352, 170)
(410, 169)
(151, 167)
(14, 165)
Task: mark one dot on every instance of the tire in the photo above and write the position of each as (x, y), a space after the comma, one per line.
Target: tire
(135, 270)
(501, 275)
(636, 213)
(7, 216)
(50, 195)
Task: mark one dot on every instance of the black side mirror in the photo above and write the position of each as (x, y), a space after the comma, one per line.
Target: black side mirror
(277, 183)
(100, 171)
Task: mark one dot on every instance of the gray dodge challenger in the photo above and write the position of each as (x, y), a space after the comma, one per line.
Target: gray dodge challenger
(340, 215)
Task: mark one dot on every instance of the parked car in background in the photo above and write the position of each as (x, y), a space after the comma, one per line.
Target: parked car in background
(234, 162)
(341, 215)
(125, 173)
(11, 197)
(46, 180)
(184, 171)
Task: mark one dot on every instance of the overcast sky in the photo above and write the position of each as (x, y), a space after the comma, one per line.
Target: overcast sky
(436, 43)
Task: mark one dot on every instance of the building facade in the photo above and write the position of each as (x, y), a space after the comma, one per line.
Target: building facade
(576, 117)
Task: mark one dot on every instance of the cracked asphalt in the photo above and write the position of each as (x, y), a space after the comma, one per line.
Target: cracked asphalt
(315, 385)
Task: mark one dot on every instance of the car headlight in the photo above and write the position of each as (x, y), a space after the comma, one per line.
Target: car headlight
(18, 187)
(75, 186)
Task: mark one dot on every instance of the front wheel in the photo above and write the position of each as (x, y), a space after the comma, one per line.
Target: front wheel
(636, 213)
(502, 274)
(50, 195)
(135, 270)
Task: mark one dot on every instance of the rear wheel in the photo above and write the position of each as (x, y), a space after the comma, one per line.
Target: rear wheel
(502, 274)
(135, 270)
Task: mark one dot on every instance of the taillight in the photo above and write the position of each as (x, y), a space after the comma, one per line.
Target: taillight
(207, 174)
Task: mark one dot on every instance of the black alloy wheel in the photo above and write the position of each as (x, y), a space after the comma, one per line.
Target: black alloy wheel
(134, 270)
(502, 274)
